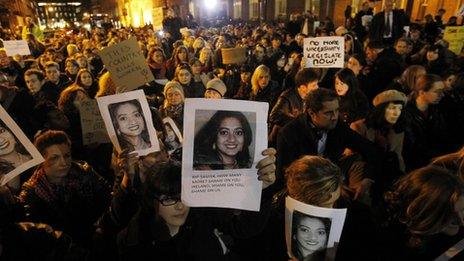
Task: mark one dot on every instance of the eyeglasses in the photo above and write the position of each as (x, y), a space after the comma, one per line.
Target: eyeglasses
(168, 201)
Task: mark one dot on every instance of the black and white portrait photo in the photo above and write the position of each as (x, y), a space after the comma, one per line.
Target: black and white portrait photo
(128, 121)
(312, 232)
(17, 153)
(223, 140)
(172, 137)
(310, 235)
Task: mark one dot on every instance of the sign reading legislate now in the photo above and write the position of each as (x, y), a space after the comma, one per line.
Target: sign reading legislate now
(324, 52)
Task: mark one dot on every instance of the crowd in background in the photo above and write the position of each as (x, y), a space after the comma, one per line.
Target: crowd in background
(382, 137)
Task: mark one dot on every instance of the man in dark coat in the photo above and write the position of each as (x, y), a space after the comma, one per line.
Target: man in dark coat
(318, 131)
(290, 102)
(387, 26)
(385, 66)
(40, 89)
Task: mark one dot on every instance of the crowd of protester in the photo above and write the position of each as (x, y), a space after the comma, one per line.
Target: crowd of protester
(382, 137)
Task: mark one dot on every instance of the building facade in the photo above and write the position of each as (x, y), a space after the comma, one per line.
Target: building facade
(13, 12)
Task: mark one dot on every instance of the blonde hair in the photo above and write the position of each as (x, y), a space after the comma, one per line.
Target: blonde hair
(313, 179)
(172, 85)
(106, 86)
(72, 49)
(259, 71)
(202, 57)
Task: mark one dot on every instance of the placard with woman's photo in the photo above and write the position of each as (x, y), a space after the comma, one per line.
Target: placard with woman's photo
(223, 141)
(129, 123)
(312, 232)
(17, 153)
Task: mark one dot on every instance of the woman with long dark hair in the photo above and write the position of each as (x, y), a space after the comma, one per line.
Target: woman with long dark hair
(353, 102)
(223, 142)
(129, 124)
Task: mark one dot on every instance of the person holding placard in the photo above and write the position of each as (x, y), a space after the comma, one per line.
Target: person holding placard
(166, 229)
(129, 124)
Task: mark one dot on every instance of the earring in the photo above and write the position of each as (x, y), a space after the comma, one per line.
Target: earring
(214, 146)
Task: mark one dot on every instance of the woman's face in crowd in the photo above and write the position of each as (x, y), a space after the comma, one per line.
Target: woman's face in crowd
(82, 61)
(449, 81)
(130, 120)
(259, 52)
(196, 68)
(401, 47)
(434, 95)
(311, 235)
(86, 79)
(340, 87)
(57, 160)
(7, 141)
(354, 65)
(182, 55)
(174, 215)
(230, 137)
(432, 55)
(393, 112)
(174, 97)
(205, 54)
(184, 76)
(348, 44)
(452, 228)
(245, 76)
(263, 80)
(211, 94)
(170, 134)
(71, 68)
(157, 57)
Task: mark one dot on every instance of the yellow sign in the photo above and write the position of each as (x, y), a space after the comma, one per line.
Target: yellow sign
(455, 36)
(158, 17)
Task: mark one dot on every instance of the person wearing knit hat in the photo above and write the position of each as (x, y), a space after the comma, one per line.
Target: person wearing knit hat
(173, 106)
(215, 89)
(384, 125)
(389, 96)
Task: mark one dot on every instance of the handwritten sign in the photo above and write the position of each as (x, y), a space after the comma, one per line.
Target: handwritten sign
(127, 65)
(454, 35)
(16, 47)
(158, 18)
(324, 52)
(93, 126)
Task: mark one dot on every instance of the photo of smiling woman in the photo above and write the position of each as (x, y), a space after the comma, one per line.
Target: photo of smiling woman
(223, 142)
(309, 236)
(129, 125)
(12, 152)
